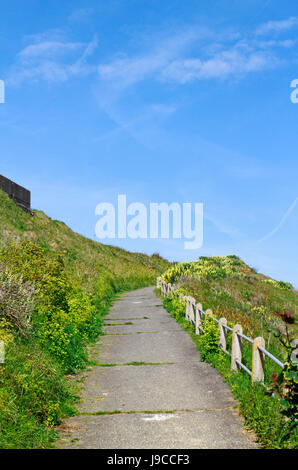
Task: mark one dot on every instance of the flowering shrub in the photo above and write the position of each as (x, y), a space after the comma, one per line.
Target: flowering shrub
(6, 334)
(215, 267)
(64, 317)
(280, 284)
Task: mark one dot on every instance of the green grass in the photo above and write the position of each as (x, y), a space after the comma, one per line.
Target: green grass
(33, 394)
(72, 281)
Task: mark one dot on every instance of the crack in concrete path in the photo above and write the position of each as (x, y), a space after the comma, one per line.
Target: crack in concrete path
(118, 412)
(135, 364)
(139, 333)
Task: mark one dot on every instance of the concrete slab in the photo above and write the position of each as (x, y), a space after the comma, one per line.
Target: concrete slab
(219, 429)
(160, 324)
(155, 387)
(167, 346)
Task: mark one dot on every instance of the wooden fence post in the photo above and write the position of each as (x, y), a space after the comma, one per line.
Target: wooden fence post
(199, 308)
(165, 290)
(2, 352)
(294, 355)
(192, 302)
(236, 347)
(209, 312)
(258, 360)
(222, 340)
(186, 308)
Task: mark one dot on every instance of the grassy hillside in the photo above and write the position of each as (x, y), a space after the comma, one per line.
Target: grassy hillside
(84, 258)
(236, 291)
(264, 307)
(55, 287)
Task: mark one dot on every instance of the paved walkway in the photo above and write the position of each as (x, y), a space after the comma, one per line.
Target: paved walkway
(149, 388)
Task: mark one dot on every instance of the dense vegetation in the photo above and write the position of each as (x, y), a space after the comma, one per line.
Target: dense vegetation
(55, 287)
(237, 292)
(263, 307)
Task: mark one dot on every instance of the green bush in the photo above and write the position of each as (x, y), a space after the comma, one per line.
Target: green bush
(64, 316)
(176, 306)
(208, 339)
(34, 396)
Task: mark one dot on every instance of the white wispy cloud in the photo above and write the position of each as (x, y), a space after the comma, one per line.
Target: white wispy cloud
(48, 49)
(154, 113)
(81, 15)
(228, 63)
(219, 59)
(190, 55)
(287, 44)
(52, 57)
(282, 221)
(222, 226)
(277, 26)
(131, 70)
(52, 60)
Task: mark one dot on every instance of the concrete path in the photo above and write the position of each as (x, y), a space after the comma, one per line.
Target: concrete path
(149, 389)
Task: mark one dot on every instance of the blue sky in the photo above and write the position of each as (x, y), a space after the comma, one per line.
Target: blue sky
(161, 100)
